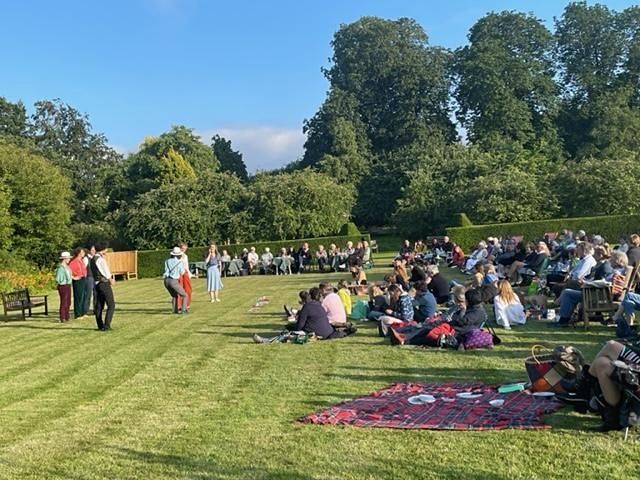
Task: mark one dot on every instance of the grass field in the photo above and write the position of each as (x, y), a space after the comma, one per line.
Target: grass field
(191, 397)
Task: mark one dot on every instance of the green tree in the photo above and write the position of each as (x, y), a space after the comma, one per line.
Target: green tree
(39, 209)
(230, 160)
(598, 53)
(505, 87)
(344, 163)
(299, 204)
(64, 135)
(13, 118)
(599, 187)
(6, 230)
(197, 211)
(182, 139)
(400, 84)
(174, 168)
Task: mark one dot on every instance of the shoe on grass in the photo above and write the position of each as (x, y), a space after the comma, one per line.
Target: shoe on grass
(258, 339)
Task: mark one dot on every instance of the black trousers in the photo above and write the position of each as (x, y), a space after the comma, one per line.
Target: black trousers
(104, 296)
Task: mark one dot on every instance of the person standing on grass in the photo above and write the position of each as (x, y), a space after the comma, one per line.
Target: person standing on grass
(89, 283)
(78, 274)
(173, 271)
(185, 278)
(64, 279)
(214, 280)
(104, 291)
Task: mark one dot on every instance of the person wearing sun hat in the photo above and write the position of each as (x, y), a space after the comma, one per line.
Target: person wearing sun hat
(173, 270)
(64, 279)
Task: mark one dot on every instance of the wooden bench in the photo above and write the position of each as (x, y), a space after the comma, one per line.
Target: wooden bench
(20, 300)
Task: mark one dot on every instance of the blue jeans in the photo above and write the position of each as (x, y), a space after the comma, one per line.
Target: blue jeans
(631, 303)
(569, 300)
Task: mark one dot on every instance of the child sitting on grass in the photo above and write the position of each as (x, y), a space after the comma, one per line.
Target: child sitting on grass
(345, 295)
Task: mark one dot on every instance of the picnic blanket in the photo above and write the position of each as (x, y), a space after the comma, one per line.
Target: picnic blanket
(390, 408)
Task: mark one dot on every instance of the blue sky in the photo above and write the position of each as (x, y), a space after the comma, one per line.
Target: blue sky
(249, 70)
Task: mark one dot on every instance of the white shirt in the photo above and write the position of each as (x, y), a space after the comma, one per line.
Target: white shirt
(103, 266)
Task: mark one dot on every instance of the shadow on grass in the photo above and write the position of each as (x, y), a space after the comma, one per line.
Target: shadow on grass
(427, 374)
(45, 327)
(203, 467)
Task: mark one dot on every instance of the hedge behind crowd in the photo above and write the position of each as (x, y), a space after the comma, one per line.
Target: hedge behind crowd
(611, 227)
(151, 262)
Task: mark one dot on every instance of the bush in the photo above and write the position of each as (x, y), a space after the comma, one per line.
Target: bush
(17, 273)
(350, 230)
(611, 227)
(151, 262)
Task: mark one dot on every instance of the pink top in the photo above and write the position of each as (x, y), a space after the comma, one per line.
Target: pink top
(334, 308)
(78, 268)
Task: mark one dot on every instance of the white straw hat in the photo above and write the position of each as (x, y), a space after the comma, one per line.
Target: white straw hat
(65, 256)
(176, 252)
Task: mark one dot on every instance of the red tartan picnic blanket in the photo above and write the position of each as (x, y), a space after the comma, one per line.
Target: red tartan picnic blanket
(390, 408)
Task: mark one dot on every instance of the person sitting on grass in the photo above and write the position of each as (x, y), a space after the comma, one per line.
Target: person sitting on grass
(378, 302)
(345, 295)
(478, 255)
(311, 319)
(400, 272)
(457, 257)
(507, 306)
(400, 309)
(424, 302)
(470, 318)
(437, 284)
(332, 303)
(358, 274)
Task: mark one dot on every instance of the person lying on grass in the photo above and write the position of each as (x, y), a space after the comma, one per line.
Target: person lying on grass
(311, 319)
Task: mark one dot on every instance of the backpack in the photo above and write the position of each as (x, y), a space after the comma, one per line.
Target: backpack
(360, 310)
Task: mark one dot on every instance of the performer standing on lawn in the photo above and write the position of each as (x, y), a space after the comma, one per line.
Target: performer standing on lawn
(214, 280)
(185, 278)
(63, 279)
(104, 281)
(78, 274)
(173, 271)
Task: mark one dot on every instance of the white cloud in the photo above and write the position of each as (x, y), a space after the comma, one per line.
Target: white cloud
(263, 147)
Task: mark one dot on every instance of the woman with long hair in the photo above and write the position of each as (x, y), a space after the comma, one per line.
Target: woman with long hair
(508, 308)
(213, 263)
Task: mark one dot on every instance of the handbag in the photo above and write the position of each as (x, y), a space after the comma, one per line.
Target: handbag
(478, 338)
(553, 372)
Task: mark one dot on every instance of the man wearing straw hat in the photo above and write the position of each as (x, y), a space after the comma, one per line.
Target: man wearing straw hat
(173, 270)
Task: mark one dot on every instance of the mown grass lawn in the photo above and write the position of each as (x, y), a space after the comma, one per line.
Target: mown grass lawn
(165, 396)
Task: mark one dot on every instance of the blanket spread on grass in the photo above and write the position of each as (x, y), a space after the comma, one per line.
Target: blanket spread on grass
(390, 408)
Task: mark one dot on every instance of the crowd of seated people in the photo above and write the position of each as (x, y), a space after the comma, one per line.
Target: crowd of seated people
(291, 260)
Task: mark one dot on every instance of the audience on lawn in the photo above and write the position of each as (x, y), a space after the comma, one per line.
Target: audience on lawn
(312, 318)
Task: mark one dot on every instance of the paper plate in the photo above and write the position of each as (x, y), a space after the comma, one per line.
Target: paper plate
(543, 394)
(468, 395)
(421, 399)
